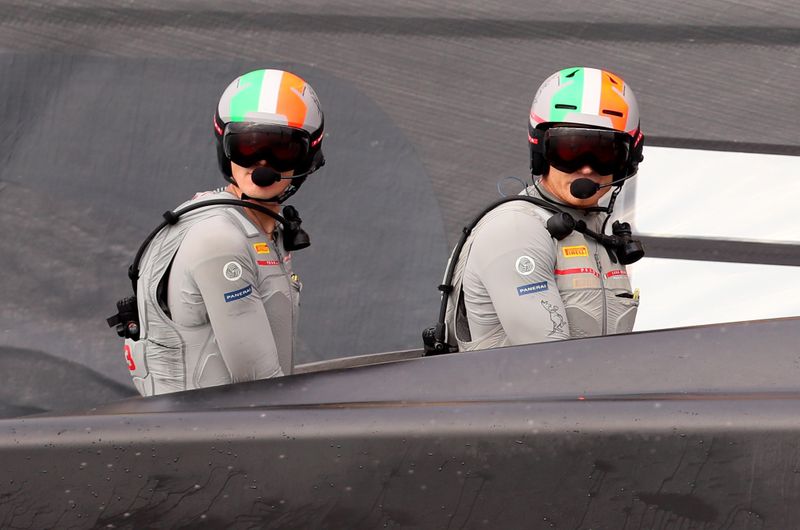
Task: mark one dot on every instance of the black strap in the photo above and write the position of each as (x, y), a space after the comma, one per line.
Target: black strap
(447, 286)
(171, 217)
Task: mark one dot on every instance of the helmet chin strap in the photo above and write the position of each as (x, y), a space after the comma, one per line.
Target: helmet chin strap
(246, 197)
(278, 199)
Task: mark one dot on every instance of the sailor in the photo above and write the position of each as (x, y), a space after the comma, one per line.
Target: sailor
(515, 280)
(217, 297)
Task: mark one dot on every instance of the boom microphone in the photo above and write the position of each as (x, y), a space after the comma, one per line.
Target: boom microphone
(584, 188)
(264, 176)
(580, 188)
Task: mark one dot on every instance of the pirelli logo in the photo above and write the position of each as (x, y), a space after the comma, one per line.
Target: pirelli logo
(261, 248)
(575, 252)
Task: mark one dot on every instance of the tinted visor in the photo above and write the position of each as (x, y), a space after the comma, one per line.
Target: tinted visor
(284, 148)
(569, 149)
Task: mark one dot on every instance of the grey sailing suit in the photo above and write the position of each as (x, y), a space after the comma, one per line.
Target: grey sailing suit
(228, 312)
(515, 284)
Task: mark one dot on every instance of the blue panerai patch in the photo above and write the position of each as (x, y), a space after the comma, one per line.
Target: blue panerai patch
(531, 288)
(238, 295)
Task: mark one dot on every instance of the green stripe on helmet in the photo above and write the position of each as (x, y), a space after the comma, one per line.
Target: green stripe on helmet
(247, 97)
(570, 93)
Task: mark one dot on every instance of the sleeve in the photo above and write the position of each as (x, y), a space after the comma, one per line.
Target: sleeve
(513, 258)
(225, 275)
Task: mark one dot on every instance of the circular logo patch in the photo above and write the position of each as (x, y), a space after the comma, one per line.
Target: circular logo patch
(232, 271)
(525, 265)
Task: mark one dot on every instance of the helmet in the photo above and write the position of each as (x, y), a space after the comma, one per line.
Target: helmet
(584, 96)
(272, 99)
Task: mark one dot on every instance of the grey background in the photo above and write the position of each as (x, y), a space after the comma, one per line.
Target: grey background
(106, 112)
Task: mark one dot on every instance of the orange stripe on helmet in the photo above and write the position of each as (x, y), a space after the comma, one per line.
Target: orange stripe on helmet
(290, 100)
(611, 99)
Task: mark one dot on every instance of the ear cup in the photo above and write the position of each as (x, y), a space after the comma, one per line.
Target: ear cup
(315, 161)
(318, 160)
(539, 165)
(222, 160)
(636, 155)
(224, 163)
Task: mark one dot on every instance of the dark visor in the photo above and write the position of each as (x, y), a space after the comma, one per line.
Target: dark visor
(284, 148)
(569, 149)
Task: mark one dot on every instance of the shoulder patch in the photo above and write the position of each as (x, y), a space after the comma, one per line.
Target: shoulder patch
(232, 271)
(525, 265)
(238, 294)
(531, 288)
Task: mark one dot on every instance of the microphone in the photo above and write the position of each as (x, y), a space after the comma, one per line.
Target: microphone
(584, 188)
(264, 176)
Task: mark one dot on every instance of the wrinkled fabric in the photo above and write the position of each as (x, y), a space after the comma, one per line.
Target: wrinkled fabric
(232, 303)
(515, 284)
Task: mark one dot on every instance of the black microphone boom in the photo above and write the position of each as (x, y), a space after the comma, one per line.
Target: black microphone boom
(584, 188)
(263, 176)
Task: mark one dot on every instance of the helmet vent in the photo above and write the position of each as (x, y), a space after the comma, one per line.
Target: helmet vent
(563, 106)
(613, 112)
(610, 78)
(572, 74)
